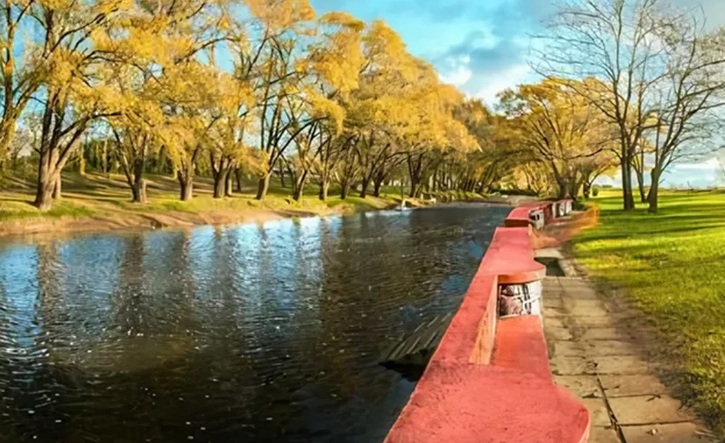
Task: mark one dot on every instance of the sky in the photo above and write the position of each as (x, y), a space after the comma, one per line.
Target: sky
(482, 47)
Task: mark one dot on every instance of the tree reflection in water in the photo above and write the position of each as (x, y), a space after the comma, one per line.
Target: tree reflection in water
(250, 333)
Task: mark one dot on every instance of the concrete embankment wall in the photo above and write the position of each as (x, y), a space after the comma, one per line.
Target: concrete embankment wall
(489, 379)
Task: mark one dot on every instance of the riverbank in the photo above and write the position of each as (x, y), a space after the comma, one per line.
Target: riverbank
(669, 268)
(102, 203)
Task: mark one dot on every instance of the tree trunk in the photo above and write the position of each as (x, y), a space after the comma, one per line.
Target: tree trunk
(415, 171)
(574, 187)
(185, 176)
(104, 158)
(82, 162)
(415, 184)
(58, 188)
(640, 184)
(281, 176)
(413, 187)
(653, 198)
(138, 187)
(627, 196)
(186, 186)
(138, 190)
(44, 190)
(263, 186)
(300, 184)
(377, 186)
(228, 190)
(46, 180)
(365, 184)
(563, 189)
(220, 183)
(324, 189)
(44, 197)
(344, 190)
(238, 176)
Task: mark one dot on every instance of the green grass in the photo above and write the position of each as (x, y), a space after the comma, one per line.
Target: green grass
(20, 210)
(109, 196)
(672, 267)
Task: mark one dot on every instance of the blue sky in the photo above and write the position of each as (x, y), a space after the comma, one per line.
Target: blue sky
(482, 47)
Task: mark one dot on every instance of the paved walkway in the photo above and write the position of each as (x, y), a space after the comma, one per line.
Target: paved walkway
(593, 354)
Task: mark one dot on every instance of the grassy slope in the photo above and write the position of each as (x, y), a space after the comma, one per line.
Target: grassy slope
(672, 266)
(97, 195)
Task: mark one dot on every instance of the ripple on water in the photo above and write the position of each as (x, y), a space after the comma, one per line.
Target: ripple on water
(267, 332)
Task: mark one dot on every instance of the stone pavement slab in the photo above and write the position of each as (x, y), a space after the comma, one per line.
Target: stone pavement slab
(553, 323)
(571, 366)
(621, 364)
(599, 348)
(556, 313)
(559, 333)
(594, 354)
(567, 348)
(669, 433)
(603, 334)
(603, 435)
(631, 385)
(598, 409)
(648, 409)
(596, 321)
(586, 308)
(581, 385)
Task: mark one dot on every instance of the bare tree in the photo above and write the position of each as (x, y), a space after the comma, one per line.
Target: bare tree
(690, 97)
(613, 45)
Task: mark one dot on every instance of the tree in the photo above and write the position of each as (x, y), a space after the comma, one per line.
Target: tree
(74, 94)
(148, 84)
(612, 45)
(592, 168)
(161, 83)
(689, 102)
(226, 136)
(270, 65)
(497, 154)
(559, 126)
(21, 73)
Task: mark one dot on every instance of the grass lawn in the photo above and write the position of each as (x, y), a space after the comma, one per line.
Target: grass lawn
(108, 197)
(672, 267)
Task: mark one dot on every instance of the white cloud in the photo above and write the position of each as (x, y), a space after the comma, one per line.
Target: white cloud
(458, 76)
(513, 76)
(709, 165)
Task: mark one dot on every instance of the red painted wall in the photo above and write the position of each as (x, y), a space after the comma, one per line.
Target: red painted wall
(489, 381)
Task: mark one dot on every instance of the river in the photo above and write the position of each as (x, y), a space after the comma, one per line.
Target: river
(269, 332)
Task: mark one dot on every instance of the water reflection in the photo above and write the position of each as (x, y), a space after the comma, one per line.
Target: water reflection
(251, 333)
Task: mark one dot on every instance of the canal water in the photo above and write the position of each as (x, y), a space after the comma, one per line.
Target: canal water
(269, 333)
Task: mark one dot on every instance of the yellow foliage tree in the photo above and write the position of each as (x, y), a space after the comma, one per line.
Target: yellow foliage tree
(559, 126)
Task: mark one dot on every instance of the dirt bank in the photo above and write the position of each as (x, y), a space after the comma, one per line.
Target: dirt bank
(134, 220)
